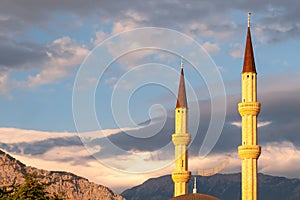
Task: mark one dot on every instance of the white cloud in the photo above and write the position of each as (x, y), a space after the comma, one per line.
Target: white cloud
(237, 124)
(199, 29)
(92, 169)
(14, 135)
(276, 159)
(280, 159)
(230, 160)
(62, 153)
(237, 50)
(259, 124)
(136, 16)
(211, 47)
(122, 26)
(100, 37)
(105, 133)
(4, 84)
(63, 58)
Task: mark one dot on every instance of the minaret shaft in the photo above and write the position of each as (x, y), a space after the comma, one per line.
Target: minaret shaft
(249, 109)
(181, 139)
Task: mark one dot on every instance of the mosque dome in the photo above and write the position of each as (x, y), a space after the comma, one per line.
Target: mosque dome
(195, 196)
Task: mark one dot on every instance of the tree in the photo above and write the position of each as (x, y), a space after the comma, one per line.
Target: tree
(30, 190)
(5, 193)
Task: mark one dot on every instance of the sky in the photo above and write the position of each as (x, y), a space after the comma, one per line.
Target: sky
(90, 86)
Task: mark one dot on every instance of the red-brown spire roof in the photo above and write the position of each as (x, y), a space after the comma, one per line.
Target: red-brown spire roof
(249, 64)
(181, 99)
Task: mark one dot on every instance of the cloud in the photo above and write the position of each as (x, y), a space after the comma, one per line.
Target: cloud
(210, 47)
(223, 30)
(63, 58)
(16, 54)
(100, 36)
(67, 153)
(237, 50)
(91, 169)
(15, 135)
(136, 16)
(279, 22)
(74, 157)
(212, 18)
(4, 88)
(259, 124)
(284, 156)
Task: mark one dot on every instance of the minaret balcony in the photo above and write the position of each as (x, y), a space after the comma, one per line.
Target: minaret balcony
(249, 151)
(181, 176)
(181, 139)
(249, 108)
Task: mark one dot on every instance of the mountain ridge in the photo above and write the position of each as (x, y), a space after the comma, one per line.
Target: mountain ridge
(223, 186)
(12, 173)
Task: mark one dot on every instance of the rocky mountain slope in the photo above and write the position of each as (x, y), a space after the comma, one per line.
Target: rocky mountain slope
(12, 172)
(223, 186)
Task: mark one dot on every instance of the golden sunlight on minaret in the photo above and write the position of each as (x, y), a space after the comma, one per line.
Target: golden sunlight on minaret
(249, 109)
(181, 139)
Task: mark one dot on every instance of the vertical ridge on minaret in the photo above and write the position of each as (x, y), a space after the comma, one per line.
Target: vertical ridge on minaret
(249, 64)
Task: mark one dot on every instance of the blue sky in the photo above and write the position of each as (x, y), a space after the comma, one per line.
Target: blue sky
(44, 45)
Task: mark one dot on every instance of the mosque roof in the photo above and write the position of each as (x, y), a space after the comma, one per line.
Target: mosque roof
(195, 196)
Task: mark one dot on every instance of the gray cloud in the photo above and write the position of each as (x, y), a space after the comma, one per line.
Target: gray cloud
(40, 147)
(20, 54)
(215, 14)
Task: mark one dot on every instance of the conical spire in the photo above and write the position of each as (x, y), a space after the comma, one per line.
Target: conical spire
(249, 64)
(181, 98)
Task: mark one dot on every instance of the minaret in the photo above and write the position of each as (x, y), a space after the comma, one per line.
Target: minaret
(181, 139)
(249, 109)
(195, 185)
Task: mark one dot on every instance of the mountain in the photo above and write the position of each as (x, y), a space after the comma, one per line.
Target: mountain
(223, 186)
(12, 173)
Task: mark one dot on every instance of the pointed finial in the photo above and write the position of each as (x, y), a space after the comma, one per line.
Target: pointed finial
(195, 185)
(182, 65)
(249, 15)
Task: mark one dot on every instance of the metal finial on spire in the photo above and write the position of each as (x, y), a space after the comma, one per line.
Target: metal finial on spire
(249, 15)
(182, 65)
(195, 185)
